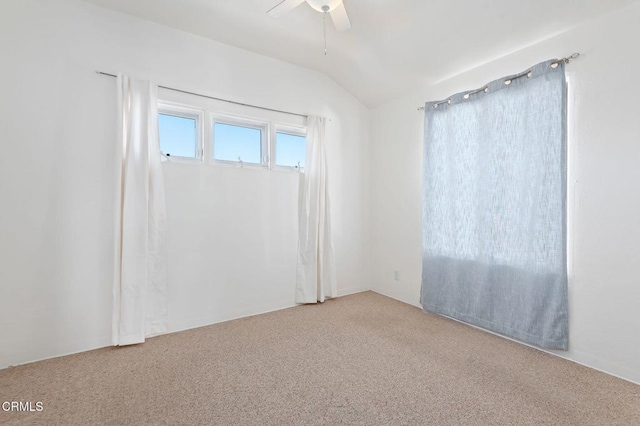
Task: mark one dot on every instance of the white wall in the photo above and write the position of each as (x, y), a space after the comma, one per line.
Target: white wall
(604, 186)
(232, 232)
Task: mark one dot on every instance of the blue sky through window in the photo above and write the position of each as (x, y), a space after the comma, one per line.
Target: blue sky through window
(177, 135)
(231, 142)
(290, 149)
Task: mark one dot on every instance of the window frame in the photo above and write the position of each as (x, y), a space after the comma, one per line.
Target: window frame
(238, 121)
(184, 111)
(289, 130)
(206, 117)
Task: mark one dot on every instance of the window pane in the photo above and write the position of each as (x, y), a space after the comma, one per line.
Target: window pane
(290, 150)
(177, 135)
(233, 142)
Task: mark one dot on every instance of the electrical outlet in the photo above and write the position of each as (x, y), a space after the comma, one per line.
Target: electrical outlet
(396, 275)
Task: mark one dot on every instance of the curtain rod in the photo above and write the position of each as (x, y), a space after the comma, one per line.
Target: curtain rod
(217, 99)
(506, 81)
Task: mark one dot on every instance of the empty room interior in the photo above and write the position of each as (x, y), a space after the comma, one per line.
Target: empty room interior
(319, 212)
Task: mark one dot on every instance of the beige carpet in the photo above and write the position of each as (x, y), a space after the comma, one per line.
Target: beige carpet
(363, 359)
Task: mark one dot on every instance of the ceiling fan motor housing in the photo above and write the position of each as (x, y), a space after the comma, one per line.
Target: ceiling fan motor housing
(324, 5)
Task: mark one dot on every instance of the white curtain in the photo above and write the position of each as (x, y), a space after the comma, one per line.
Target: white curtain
(316, 272)
(140, 284)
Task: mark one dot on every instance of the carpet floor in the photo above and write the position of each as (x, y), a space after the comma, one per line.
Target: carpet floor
(363, 359)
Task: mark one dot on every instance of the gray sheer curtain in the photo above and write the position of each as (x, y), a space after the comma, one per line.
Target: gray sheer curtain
(494, 227)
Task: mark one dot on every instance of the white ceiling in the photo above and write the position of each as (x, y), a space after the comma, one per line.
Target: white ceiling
(393, 45)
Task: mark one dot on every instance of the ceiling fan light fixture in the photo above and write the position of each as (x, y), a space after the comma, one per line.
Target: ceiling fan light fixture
(322, 5)
(335, 8)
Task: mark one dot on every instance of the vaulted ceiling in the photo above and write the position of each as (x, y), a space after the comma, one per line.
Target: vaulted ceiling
(393, 45)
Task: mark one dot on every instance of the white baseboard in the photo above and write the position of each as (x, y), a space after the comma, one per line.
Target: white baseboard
(197, 322)
(182, 325)
(352, 290)
(585, 360)
(398, 298)
(45, 354)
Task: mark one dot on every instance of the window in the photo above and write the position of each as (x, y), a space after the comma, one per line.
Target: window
(179, 132)
(239, 141)
(229, 140)
(290, 148)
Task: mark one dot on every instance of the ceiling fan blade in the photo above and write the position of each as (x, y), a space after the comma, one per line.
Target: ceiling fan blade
(340, 18)
(283, 7)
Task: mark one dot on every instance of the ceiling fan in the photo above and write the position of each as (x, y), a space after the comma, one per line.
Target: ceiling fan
(333, 7)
